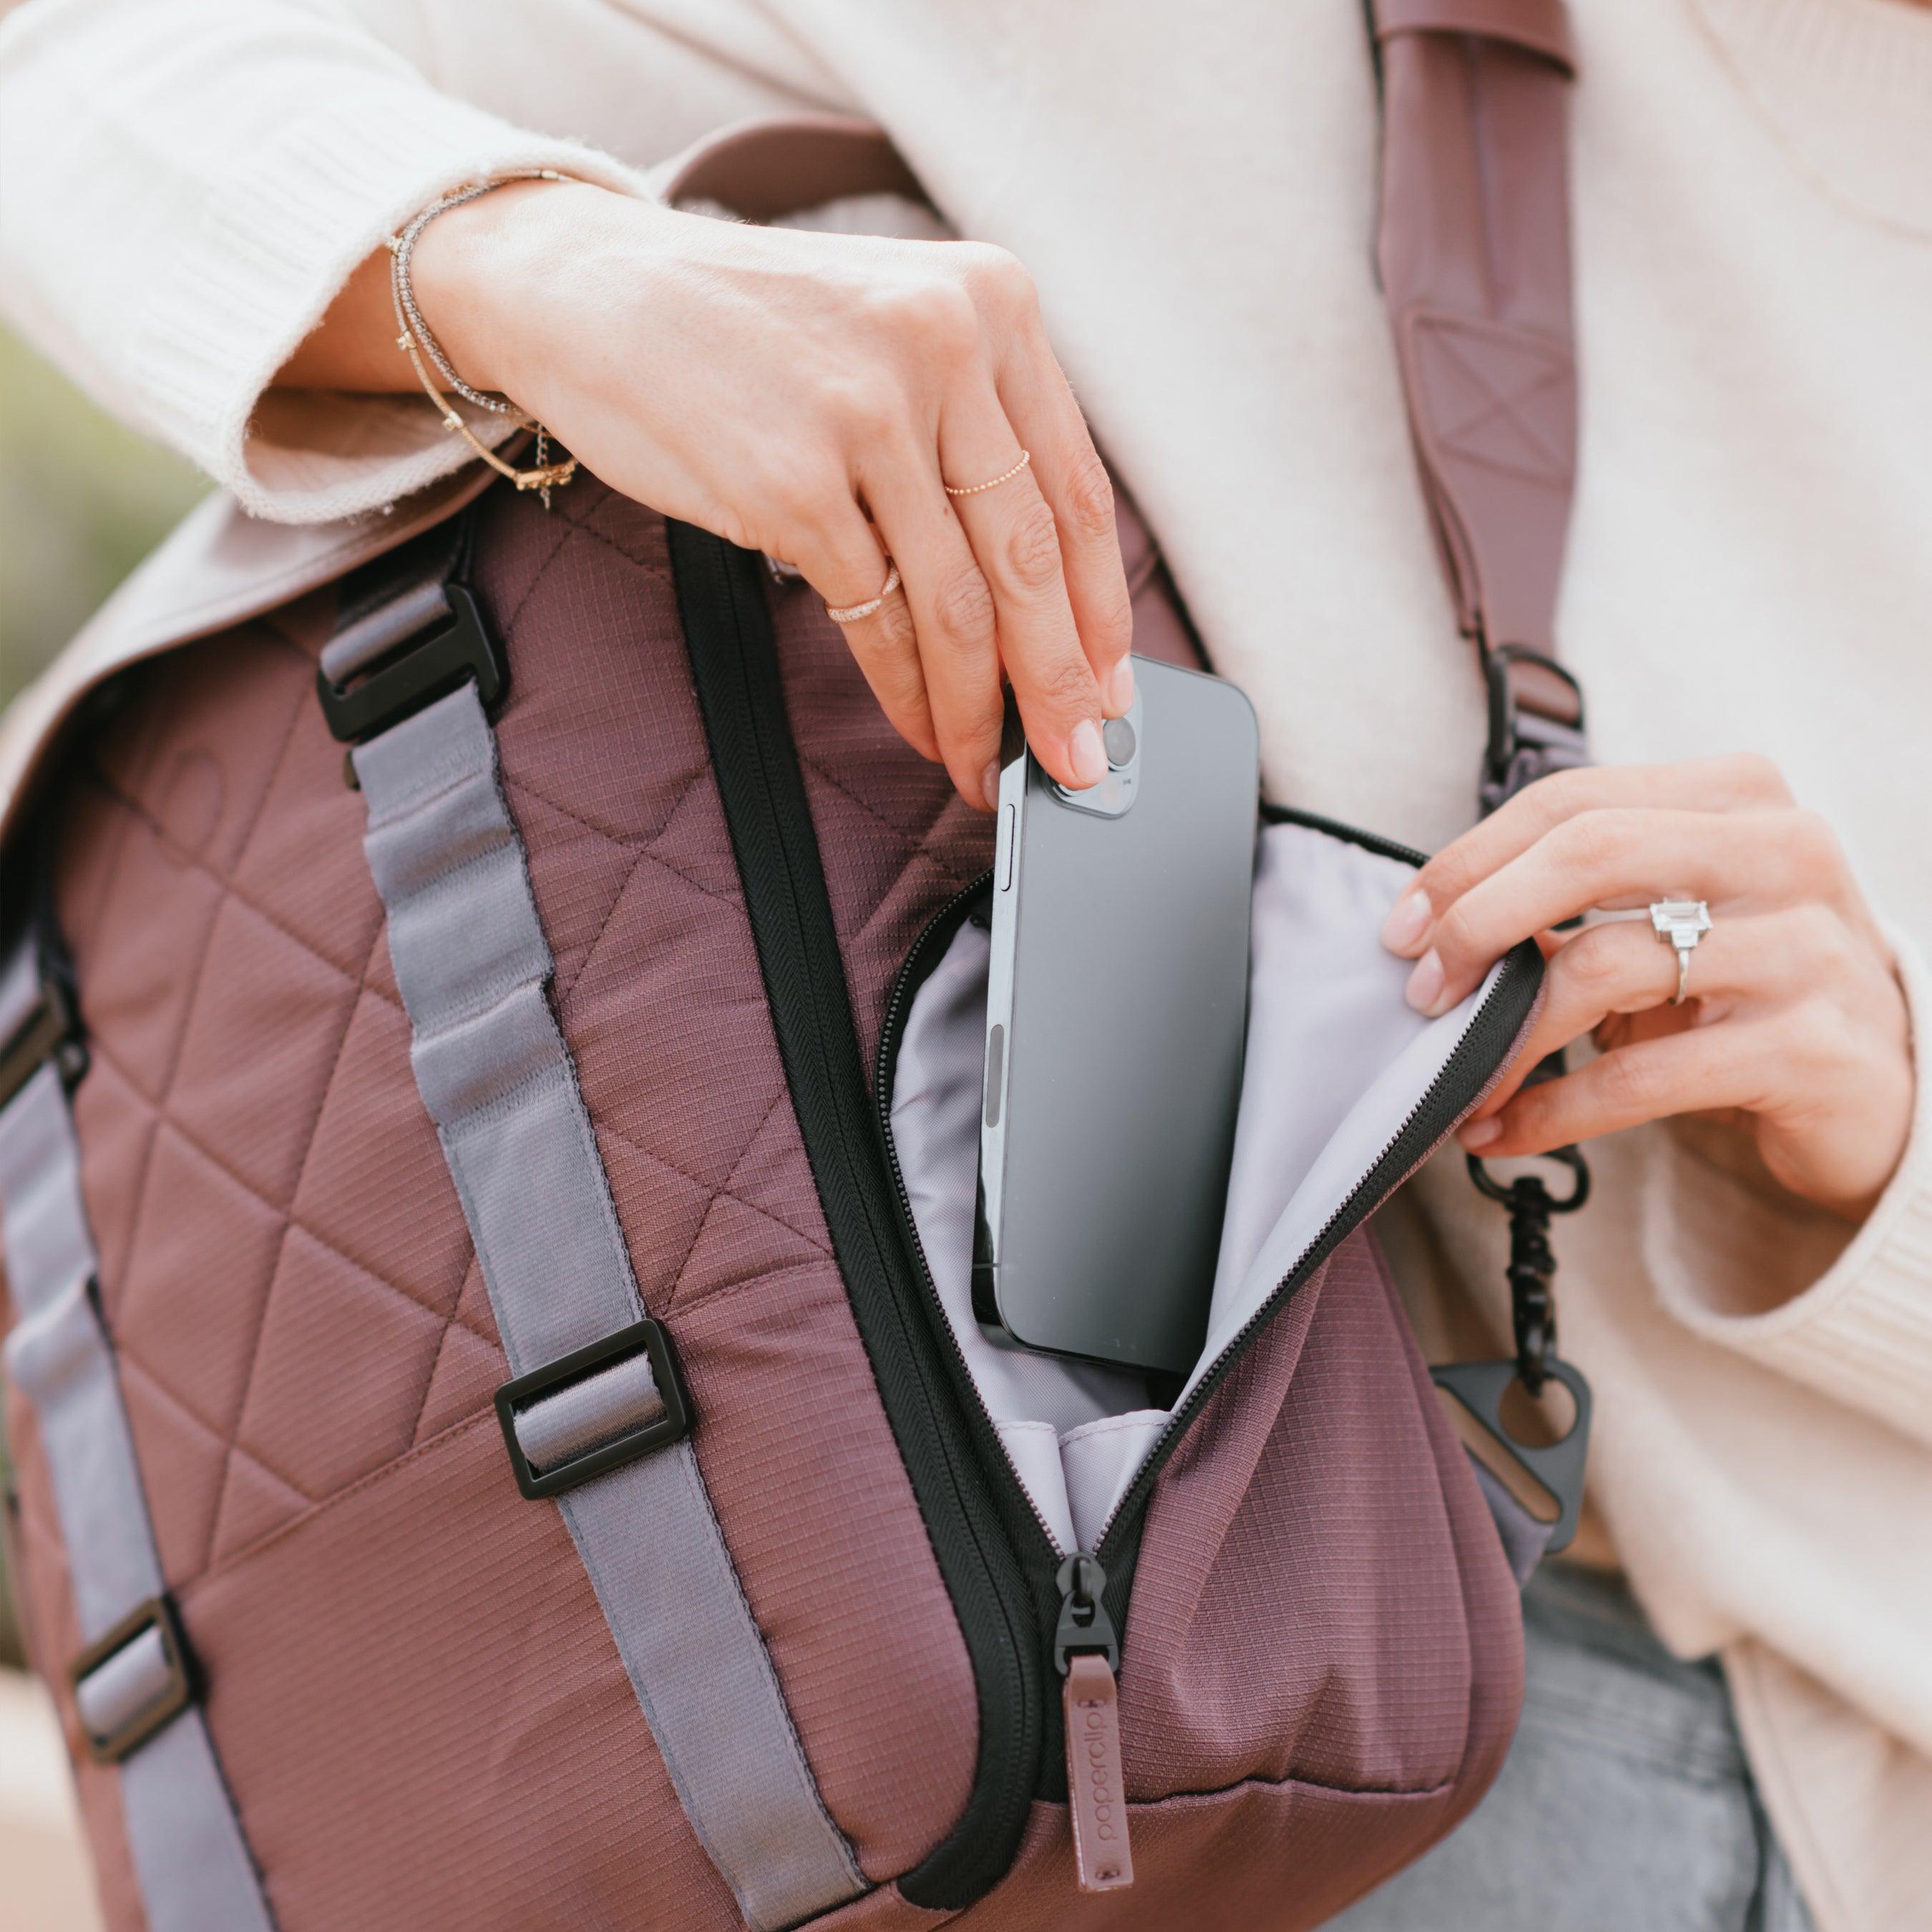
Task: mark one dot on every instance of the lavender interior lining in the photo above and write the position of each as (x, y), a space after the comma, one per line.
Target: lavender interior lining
(1336, 1062)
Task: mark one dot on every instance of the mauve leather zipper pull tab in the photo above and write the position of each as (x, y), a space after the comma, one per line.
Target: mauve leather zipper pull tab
(1087, 1653)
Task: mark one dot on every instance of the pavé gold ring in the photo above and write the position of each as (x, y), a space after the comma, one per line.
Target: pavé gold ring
(850, 614)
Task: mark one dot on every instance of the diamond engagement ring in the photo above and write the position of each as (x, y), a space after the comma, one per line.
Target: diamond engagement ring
(1681, 923)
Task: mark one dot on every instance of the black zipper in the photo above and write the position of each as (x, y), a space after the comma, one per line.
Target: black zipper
(1035, 1539)
(734, 665)
(1492, 1031)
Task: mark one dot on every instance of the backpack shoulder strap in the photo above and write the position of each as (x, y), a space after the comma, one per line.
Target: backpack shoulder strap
(136, 1686)
(1473, 248)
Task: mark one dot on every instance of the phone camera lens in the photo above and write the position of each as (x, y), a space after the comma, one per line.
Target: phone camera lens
(1118, 735)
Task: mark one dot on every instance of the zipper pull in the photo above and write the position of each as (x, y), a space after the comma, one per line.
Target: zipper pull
(1086, 1653)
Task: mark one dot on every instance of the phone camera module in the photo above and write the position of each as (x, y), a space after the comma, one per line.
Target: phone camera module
(1117, 735)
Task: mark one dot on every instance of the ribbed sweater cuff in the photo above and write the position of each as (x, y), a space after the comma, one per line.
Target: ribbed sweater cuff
(256, 275)
(1861, 1331)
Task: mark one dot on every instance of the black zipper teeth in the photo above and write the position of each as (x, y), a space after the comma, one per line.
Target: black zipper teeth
(896, 1004)
(1483, 1043)
(735, 670)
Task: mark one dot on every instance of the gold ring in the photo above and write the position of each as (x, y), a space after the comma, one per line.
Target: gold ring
(850, 614)
(991, 482)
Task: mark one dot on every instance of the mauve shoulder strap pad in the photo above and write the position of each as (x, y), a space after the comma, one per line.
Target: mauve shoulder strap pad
(1474, 251)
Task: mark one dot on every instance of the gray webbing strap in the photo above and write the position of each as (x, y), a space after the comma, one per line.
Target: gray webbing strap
(473, 966)
(585, 1415)
(358, 643)
(194, 1867)
(129, 1682)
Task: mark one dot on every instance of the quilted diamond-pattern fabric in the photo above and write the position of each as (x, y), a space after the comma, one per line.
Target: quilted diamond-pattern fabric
(305, 1343)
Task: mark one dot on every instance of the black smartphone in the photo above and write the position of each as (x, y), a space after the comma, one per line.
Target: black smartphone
(1117, 1010)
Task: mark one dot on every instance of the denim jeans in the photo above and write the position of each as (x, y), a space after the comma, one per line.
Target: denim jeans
(1625, 1804)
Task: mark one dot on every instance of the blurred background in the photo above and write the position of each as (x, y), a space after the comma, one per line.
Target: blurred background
(82, 501)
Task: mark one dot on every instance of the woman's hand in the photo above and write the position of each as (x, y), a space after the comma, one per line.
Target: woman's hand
(1795, 1027)
(810, 396)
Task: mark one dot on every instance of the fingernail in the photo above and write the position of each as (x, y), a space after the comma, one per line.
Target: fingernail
(989, 784)
(1120, 689)
(1407, 922)
(1425, 983)
(1481, 1133)
(1086, 753)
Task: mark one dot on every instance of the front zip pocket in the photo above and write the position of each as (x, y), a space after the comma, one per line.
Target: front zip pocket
(1488, 1032)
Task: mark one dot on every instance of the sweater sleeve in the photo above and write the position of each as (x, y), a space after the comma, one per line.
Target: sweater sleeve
(1749, 1266)
(183, 189)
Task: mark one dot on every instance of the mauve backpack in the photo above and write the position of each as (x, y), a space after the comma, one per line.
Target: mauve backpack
(486, 1139)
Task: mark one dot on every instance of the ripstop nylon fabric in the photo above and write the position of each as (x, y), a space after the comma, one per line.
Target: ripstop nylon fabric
(474, 968)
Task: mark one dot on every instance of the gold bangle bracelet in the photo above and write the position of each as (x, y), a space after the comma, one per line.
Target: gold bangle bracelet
(416, 341)
(544, 476)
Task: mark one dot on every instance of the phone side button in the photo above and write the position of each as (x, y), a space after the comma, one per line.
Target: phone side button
(996, 1068)
(1006, 848)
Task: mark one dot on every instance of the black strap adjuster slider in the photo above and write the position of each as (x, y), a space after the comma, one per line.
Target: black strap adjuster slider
(417, 665)
(1527, 741)
(50, 1030)
(134, 1681)
(618, 1400)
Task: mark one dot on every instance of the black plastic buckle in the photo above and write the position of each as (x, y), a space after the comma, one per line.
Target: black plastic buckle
(1506, 732)
(157, 1614)
(645, 1337)
(418, 672)
(50, 1031)
(1511, 736)
(1557, 1467)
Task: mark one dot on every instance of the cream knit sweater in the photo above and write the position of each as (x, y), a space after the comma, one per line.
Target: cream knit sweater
(183, 188)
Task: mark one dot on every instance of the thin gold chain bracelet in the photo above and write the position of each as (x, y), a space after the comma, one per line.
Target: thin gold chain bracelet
(422, 347)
